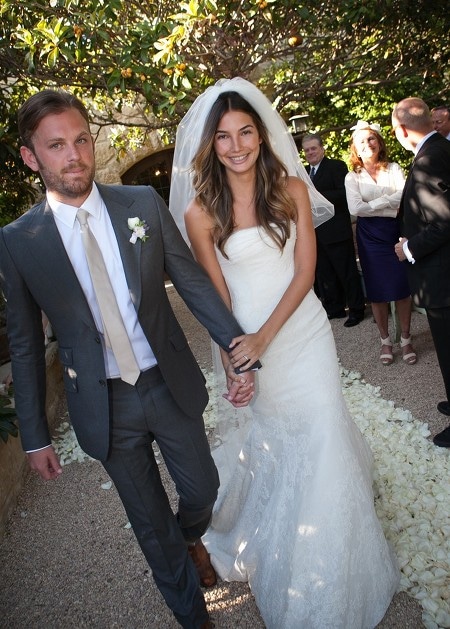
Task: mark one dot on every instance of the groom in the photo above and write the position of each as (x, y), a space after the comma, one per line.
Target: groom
(50, 261)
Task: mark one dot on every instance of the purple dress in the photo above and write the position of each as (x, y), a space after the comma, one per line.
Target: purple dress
(376, 204)
(384, 275)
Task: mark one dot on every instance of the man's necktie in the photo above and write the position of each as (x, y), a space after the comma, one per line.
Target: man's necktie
(116, 336)
(312, 172)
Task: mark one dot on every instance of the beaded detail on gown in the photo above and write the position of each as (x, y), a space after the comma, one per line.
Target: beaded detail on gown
(296, 517)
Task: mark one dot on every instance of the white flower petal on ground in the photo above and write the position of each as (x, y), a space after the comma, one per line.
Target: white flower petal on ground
(412, 495)
(411, 488)
(67, 447)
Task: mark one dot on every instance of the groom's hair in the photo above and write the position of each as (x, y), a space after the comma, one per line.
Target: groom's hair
(43, 104)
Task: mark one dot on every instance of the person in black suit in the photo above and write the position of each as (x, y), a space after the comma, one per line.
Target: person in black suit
(425, 241)
(440, 117)
(45, 266)
(337, 275)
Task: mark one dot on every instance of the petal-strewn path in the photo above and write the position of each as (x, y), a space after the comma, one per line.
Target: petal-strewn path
(69, 561)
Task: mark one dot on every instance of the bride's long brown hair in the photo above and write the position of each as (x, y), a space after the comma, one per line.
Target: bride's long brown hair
(274, 207)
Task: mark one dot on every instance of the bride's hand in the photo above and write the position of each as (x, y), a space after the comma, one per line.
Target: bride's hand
(246, 350)
(240, 387)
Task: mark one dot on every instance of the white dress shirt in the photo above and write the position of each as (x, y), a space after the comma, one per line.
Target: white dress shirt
(101, 227)
(367, 197)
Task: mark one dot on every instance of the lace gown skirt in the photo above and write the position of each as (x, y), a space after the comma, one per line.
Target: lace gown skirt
(296, 518)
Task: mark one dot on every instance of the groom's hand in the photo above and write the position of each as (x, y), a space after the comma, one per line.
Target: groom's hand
(45, 462)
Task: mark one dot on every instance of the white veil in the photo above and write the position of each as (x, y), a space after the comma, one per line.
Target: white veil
(232, 424)
(188, 138)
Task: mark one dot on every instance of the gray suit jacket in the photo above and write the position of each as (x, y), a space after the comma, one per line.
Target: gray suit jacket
(37, 275)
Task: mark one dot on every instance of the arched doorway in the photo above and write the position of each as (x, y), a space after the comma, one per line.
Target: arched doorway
(154, 170)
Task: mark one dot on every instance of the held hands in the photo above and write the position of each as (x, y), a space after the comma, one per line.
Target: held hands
(241, 387)
(45, 463)
(399, 249)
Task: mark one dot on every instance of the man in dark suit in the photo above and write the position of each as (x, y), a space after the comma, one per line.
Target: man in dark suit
(46, 266)
(440, 118)
(337, 274)
(425, 243)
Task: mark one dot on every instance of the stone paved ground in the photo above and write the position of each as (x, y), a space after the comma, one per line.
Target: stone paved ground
(68, 562)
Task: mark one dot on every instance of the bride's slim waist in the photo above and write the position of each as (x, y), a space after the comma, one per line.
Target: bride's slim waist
(253, 312)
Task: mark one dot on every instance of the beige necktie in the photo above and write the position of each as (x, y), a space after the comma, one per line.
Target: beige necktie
(116, 335)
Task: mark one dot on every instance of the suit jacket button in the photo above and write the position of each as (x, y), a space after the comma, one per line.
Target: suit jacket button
(97, 339)
(102, 383)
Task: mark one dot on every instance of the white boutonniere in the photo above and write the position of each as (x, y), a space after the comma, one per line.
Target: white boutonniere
(139, 229)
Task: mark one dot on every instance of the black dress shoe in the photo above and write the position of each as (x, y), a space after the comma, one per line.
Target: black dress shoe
(337, 315)
(442, 439)
(353, 319)
(444, 408)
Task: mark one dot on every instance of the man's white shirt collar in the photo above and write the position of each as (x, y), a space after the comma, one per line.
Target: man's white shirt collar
(67, 214)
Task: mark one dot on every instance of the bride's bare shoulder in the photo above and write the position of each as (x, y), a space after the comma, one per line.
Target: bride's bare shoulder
(294, 184)
(194, 210)
(196, 216)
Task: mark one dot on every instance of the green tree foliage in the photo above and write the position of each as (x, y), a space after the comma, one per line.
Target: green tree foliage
(335, 60)
(16, 191)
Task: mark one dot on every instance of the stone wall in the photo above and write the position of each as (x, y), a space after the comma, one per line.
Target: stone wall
(109, 168)
(13, 471)
(13, 464)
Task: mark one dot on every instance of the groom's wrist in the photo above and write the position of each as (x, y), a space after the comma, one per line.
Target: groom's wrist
(255, 367)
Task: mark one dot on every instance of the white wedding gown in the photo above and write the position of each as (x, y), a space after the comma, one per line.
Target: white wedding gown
(295, 516)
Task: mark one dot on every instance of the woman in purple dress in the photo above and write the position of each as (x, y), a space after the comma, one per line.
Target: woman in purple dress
(374, 189)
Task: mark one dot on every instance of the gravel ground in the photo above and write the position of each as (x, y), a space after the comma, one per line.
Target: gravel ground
(68, 561)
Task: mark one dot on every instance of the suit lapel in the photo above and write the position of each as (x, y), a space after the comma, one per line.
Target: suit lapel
(321, 171)
(119, 210)
(46, 247)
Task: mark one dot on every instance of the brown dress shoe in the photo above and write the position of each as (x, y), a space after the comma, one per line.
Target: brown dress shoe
(200, 557)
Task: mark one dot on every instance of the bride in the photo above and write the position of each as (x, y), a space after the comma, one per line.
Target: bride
(295, 515)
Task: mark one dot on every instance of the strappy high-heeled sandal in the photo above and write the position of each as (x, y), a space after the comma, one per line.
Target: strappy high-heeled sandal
(386, 359)
(411, 357)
